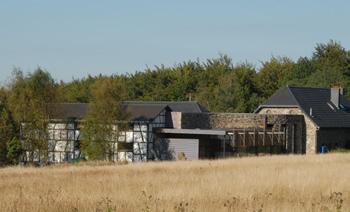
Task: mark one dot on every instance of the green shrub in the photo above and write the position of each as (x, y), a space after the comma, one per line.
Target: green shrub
(14, 150)
(340, 150)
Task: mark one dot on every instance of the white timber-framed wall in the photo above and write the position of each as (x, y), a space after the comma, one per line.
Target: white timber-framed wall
(134, 144)
(63, 141)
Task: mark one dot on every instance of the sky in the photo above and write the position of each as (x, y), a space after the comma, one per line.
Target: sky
(74, 38)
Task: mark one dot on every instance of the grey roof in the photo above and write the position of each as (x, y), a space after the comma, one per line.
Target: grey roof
(137, 110)
(282, 97)
(144, 112)
(324, 113)
(180, 106)
(191, 131)
(68, 110)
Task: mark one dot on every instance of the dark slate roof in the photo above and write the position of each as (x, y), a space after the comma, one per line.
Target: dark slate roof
(324, 113)
(68, 110)
(181, 106)
(282, 97)
(144, 112)
(137, 110)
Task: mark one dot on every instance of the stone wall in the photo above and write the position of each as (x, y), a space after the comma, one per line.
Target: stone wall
(222, 120)
(292, 125)
(232, 120)
(311, 143)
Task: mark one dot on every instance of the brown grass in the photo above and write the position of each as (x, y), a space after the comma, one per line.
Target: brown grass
(272, 183)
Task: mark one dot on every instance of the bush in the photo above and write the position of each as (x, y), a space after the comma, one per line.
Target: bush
(340, 150)
(14, 151)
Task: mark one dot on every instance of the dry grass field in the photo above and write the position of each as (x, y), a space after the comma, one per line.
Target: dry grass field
(272, 183)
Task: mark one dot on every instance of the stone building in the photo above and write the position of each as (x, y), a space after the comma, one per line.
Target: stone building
(216, 135)
(325, 111)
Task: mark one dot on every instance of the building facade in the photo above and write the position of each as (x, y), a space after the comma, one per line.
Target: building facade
(325, 111)
(134, 143)
(234, 134)
(292, 121)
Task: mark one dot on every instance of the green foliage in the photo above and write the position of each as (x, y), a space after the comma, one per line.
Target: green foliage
(99, 129)
(30, 95)
(7, 126)
(92, 149)
(332, 55)
(76, 91)
(30, 102)
(218, 84)
(340, 150)
(332, 63)
(14, 151)
(245, 88)
(302, 70)
(274, 74)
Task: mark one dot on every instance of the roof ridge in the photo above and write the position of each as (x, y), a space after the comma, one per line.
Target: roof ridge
(158, 102)
(292, 94)
(133, 101)
(307, 87)
(71, 103)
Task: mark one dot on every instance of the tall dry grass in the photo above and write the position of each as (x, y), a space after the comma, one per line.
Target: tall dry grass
(274, 183)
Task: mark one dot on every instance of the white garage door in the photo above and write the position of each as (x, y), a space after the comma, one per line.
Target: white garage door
(184, 147)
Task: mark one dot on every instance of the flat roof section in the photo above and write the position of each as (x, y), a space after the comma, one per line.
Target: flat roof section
(191, 131)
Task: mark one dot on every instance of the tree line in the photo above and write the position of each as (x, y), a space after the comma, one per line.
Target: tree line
(218, 84)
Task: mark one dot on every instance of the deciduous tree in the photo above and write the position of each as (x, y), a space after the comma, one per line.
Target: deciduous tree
(100, 128)
(30, 102)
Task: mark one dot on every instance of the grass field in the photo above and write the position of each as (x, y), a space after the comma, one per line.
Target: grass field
(272, 183)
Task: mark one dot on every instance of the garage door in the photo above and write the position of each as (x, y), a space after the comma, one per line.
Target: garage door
(187, 148)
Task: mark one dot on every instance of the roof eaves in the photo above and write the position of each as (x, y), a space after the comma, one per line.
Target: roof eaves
(275, 106)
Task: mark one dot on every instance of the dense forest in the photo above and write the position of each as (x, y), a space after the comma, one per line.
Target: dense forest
(222, 86)
(218, 84)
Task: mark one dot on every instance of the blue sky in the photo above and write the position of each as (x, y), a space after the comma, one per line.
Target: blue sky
(74, 38)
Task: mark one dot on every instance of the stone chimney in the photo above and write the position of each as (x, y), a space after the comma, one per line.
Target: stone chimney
(336, 91)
